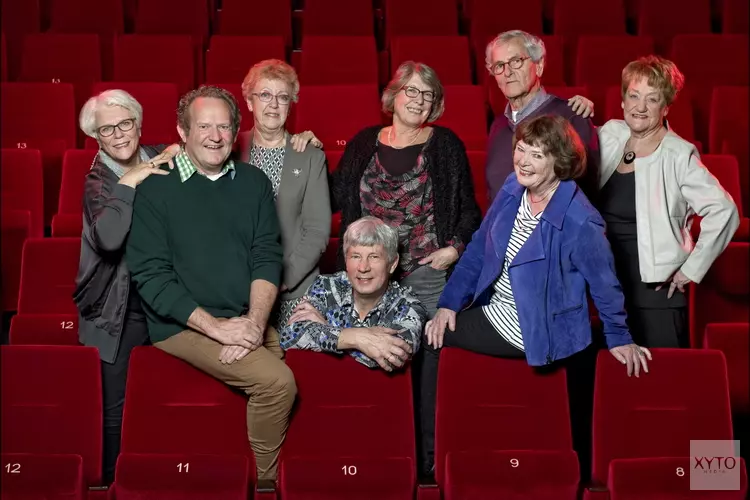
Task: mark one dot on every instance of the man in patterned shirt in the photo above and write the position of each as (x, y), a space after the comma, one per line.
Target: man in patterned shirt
(360, 310)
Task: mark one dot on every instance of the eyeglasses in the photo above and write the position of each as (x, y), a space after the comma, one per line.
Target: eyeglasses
(108, 130)
(413, 92)
(515, 63)
(282, 99)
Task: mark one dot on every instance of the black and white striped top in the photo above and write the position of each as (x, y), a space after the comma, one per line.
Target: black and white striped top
(501, 311)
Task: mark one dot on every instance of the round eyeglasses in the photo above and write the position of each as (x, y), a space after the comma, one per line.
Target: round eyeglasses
(108, 130)
(413, 92)
(515, 63)
(282, 99)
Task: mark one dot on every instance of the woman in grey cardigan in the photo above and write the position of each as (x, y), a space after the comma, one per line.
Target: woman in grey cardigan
(299, 177)
(111, 317)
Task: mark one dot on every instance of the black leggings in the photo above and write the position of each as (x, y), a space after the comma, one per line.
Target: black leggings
(475, 333)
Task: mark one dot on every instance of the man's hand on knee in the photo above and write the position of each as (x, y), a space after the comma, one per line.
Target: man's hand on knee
(231, 353)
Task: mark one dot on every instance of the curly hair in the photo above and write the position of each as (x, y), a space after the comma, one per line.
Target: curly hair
(660, 73)
(556, 137)
(183, 108)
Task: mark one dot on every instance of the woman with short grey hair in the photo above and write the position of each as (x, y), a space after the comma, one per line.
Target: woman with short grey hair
(414, 176)
(111, 316)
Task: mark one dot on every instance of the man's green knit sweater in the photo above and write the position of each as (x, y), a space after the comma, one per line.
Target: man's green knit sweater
(201, 243)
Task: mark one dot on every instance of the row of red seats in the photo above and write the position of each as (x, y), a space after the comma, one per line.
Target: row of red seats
(502, 429)
(48, 266)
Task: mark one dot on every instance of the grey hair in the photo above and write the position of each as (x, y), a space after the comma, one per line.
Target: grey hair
(370, 231)
(402, 76)
(114, 97)
(533, 44)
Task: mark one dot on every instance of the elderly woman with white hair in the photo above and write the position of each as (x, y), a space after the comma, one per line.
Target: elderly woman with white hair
(516, 59)
(111, 316)
(415, 176)
(298, 175)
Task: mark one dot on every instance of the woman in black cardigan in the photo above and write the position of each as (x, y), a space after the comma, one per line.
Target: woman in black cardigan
(415, 177)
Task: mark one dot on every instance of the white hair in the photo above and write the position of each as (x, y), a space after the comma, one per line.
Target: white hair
(114, 97)
(370, 231)
(533, 44)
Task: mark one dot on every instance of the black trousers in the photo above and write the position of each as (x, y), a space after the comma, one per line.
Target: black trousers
(662, 327)
(114, 375)
(475, 333)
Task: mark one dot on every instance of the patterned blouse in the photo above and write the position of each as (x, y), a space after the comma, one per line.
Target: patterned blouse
(331, 295)
(271, 162)
(404, 202)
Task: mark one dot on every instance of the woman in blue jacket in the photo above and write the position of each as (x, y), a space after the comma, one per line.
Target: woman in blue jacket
(519, 290)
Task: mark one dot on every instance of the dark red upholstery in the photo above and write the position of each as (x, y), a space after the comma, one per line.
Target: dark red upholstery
(193, 18)
(240, 17)
(488, 18)
(3, 58)
(663, 19)
(313, 112)
(512, 474)
(170, 60)
(159, 102)
(338, 60)
(181, 477)
(76, 165)
(15, 226)
(651, 416)
(728, 131)
(657, 479)
(229, 58)
(734, 17)
(477, 161)
(22, 185)
(44, 329)
(67, 225)
(48, 272)
(172, 408)
(18, 20)
(475, 394)
(400, 18)
(104, 17)
(733, 339)
(31, 476)
(26, 111)
(722, 296)
(338, 18)
(727, 172)
(52, 403)
(333, 158)
(466, 115)
(328, 259)
(449, 56)
(363, 400)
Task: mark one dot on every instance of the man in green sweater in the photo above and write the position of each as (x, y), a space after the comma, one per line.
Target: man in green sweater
(205, 252)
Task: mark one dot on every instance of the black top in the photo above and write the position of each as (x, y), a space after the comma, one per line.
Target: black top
(618, 209)
(398, 161)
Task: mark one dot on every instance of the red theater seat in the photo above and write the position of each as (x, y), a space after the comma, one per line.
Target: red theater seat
(378, 460)
(515, 414)
(3, 59)
(489, 18)
(229, 58)
(44, 329)
(173, 17)
(18, 20)
(734, 17)
(728, 121)
(48, 272)
(170, 59)
(159, 102)
(733, 339)
(449, 56)
(175, 410)
(338, 18)
(722, 296)
(67, 225)
(440, 17)
(338, 60)
(643, 426)
(76, 165)
(328, 259)
(240, 17)
(466, 114)
(313, 112)
(666, 18)
(15, 226)
(22, 185)
(43, 476)
(477, 161)
(727, 172)
(52, 405)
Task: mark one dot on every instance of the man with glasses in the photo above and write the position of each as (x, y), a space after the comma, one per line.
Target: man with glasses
(517, 59)
(205, 254)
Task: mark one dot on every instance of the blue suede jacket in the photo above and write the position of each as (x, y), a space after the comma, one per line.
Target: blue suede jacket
(567, 251)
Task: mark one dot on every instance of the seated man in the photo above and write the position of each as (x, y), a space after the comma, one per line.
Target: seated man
(204, 252)
(361, 310)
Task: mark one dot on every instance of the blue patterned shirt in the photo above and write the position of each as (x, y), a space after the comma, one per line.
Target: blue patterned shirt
(331, 295)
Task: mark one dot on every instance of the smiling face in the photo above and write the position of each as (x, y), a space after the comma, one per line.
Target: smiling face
(270, 116)
(121, 146)
(643, 106)
(368, 270)
(512, 82)
(413, 111)
(209, 141)
(534, 170)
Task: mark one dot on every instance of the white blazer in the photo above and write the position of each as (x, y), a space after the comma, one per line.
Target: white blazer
(671, 187)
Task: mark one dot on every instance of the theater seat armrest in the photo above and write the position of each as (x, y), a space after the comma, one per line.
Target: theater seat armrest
(428, 492)
(265, 489)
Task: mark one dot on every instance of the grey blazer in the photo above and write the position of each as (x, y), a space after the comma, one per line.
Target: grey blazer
(304, 211)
